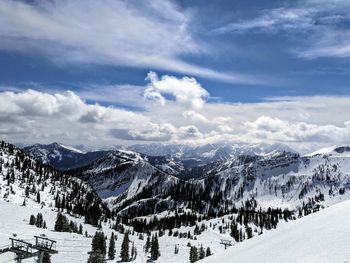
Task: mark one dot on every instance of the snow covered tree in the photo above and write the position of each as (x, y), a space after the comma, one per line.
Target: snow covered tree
(111, 247)
(124, 251)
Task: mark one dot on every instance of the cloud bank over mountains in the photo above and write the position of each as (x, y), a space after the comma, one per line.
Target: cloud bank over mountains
(173, 110)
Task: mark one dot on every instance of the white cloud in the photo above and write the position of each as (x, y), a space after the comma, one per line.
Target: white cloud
(303, 123)
(187, 91)
(322, 26)
(151, 34)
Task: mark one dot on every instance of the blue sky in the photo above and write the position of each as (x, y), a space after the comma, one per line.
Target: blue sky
(245, 54)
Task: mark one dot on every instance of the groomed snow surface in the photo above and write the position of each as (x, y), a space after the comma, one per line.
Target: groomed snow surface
(316, 238)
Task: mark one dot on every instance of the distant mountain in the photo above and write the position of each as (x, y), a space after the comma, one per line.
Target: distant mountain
(137, 185)
(61, 156)
(190, 162)
(186, 162)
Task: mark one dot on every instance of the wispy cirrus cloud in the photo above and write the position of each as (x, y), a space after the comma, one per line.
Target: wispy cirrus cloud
(152, 34)
(322, 26)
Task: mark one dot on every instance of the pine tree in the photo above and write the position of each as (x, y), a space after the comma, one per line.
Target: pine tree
(148, 244)
(201, 252)
(133, 251)
(38, 197)
(96, 257)
(193, 254)
(155, 248)
(60, 224)
(124, 252)
(39, 220)
(32, 220)
(46, 258)
(208, 252)
(99, 243)
(176, 250)
(111, 247)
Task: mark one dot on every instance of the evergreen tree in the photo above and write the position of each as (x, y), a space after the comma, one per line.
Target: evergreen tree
(124, 252)
(46, 258)
(26, 191)
(148, 244)
(133, 251)
(193, 254)
(111, 247)
(201, 252)
(155, 248)
(176, 250)
(99, 243)
(208, 252)
(32, 220)
(38, 197)
(39, 220)
(61, 224)
(96, 257)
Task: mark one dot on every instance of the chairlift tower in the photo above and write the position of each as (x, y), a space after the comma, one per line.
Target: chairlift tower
(23, 249)
(226, 242)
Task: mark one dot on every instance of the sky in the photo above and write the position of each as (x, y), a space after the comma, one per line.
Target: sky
(111, 72)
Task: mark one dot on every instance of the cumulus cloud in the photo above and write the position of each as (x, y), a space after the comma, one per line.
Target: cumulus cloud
(303, 123)
(186, 91)
(275, 129)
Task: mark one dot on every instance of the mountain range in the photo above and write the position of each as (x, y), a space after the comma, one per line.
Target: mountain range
(220, 176)
(226, 191)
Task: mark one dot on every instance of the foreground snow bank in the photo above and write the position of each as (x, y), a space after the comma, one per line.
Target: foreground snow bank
(319, 237)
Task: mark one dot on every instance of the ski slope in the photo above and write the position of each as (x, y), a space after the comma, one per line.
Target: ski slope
(320, 237)
(73, 248)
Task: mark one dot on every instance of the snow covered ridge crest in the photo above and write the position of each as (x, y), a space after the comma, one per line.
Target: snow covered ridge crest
(24, 179)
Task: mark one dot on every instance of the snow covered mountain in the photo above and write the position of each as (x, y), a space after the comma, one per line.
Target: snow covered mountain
(186, 162)
(61, 156)
(241, 198)
(23, 179)
(139, 186)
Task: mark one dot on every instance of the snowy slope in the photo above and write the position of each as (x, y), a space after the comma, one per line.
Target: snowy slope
(73, 248)
(320, 237)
